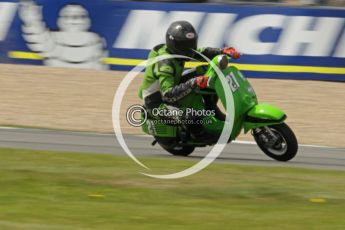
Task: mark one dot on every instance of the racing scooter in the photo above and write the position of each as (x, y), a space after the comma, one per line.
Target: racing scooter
(265, 122)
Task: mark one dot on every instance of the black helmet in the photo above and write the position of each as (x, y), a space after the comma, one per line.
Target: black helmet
(181, 38)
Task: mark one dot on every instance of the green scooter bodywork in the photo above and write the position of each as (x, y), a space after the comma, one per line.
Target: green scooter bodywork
(248, 113)
(263, 115)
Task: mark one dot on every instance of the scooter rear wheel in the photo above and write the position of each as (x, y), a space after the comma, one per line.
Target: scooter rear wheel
(180, 150)
(172, 147)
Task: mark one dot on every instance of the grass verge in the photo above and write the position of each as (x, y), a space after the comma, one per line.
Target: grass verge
(51, 190)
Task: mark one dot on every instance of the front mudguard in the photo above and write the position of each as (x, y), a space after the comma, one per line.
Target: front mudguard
(263, 115)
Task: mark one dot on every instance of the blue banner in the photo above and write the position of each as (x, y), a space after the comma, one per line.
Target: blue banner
(277, 42)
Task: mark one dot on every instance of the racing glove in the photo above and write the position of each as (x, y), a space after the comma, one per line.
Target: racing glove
(201, 82)
(231, 51)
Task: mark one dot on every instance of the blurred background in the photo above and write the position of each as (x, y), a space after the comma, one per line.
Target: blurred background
(61, 168)
(262, 2)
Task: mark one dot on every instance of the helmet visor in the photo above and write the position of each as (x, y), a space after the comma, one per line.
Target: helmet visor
(186, 47)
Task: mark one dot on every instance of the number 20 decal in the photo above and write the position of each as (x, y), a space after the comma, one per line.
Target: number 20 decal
(232, 82)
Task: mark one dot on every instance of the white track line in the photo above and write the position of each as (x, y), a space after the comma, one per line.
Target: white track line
(303, 145)
(4, 127)
(254, 143)
(244, 142)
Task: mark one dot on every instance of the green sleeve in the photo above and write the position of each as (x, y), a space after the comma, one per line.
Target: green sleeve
(165, 72)
(171, 92)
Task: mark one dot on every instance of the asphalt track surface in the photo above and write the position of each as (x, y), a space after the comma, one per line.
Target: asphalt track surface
(239, 153)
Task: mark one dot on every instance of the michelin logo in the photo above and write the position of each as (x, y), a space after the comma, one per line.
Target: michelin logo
(7, 13)
(73, 45)
(298, 36)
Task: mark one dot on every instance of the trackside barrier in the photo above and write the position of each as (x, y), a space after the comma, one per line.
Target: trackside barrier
(278, 42)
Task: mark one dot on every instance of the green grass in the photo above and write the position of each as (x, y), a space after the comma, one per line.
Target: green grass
(50, 190)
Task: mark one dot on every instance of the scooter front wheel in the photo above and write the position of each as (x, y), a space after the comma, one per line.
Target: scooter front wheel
(277, 141)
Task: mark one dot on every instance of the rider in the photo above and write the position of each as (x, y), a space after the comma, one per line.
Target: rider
(163, 85)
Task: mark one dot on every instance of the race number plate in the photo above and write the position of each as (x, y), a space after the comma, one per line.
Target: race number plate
(231, 79)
